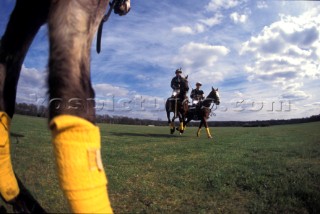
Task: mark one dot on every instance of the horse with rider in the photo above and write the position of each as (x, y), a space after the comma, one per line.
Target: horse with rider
(202, 111)
(178, 102)
(200, 108)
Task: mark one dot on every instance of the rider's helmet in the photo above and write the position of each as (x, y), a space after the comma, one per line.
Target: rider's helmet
(199, 83)
(178, 71)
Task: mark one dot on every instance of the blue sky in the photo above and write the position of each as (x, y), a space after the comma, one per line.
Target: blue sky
(262, 55)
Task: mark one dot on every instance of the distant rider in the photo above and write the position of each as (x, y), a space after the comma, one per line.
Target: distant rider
(175, 83)
(197, 94)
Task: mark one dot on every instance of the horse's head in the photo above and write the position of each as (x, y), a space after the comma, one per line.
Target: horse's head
(184, 85)
(214, 95)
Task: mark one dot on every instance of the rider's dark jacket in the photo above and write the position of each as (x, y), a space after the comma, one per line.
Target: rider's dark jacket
(175, 82)
(196, 94)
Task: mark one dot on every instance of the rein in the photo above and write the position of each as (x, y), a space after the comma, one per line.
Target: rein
(104, 19)
(211, 112)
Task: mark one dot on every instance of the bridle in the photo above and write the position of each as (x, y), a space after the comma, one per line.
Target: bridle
(211, 100)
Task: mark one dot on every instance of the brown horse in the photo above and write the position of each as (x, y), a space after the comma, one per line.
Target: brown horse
(202, 111)
(75, 137)
(178, 105)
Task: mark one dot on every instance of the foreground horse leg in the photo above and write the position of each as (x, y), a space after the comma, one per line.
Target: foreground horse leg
(183, 111)
(207, 127)
(186, 122)
(76, 139)
(181, 120)
(20, 31)
(199, 129)
(181, 127)
(170, 122)
(172, 128)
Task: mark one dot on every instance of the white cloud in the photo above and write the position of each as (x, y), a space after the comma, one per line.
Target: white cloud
(31, 77)
(215, 6)
(212, 20)
(295, 95)
(198, 28)
(215, 20)
(182, 30)
(286, 52)
(32, 86)
(222, 4)
(200, 60)
(262, 4)
(200, 54)
(237, 18)
(104, 90)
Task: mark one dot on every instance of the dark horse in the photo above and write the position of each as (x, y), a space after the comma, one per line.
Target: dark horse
(202, 111)
(72, 25)
(178, 104)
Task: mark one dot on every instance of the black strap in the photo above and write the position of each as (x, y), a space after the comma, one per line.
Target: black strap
(104, 19)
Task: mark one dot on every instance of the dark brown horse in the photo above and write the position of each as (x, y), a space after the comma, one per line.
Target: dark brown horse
(178, 105)
(202, 111)
(72, 25)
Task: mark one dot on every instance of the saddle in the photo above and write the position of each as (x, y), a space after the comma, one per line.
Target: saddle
(172, 103)
(196, 111)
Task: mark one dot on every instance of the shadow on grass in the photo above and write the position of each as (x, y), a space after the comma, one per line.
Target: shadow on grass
(144, 135)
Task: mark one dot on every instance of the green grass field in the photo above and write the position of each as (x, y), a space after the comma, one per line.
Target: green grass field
(241, 170)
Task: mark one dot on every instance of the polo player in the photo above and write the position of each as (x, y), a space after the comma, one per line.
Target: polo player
(175, 83)
(197, 94)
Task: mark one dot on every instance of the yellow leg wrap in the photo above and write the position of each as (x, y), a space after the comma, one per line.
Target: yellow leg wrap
(9, 188)
(77, 149)
(198, 132)
(208, 133)
(181, 126)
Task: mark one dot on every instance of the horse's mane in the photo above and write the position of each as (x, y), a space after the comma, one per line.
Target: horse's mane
(184, 88)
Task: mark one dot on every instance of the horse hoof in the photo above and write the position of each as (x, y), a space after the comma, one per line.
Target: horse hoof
(210, 137)
(172, 130)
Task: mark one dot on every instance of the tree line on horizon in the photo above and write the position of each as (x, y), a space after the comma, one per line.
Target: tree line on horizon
(42, 111)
